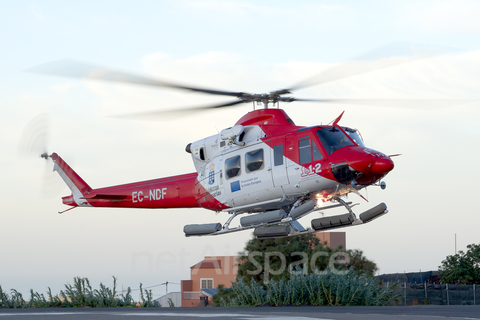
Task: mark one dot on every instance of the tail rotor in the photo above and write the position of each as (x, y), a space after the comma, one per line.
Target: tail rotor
(33, 143)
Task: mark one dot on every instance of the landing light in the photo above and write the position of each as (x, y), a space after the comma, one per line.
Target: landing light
(320, 199)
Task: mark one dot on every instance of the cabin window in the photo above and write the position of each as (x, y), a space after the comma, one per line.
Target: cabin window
(278, 155)
(232, 167)
(254, 160)
(304, 150)
(307, 149)
(316, 152)
(206, 283)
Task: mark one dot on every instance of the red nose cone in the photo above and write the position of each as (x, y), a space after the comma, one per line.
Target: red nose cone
(382, 166)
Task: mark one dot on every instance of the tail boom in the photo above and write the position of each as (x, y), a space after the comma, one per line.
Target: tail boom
(171, 192)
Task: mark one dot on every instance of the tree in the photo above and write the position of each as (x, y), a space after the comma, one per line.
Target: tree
(272, 256)
(462, 268)
(360, 263)
(279, 258)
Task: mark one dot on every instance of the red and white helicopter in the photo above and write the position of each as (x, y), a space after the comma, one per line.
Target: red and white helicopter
(264, 167)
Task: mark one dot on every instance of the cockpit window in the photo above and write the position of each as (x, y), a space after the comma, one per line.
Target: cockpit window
(355, 136)
(333, 139)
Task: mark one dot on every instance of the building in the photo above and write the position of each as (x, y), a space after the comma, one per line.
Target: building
(206, 275)
(333, 239)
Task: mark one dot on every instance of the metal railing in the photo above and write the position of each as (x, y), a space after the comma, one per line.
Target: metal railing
(438, 294)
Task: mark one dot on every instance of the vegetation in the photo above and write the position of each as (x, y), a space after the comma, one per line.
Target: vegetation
(350, 289)
(305, 252)
(302, 271)
(80, 294)
(462, 268)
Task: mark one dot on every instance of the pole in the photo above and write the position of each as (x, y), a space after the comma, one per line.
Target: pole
(455, 243)
(426, 297)
(448, 299)
(405, 283)
(473, 294)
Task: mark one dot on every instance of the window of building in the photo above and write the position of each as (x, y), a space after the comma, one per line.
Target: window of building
(278, 155)
(206, 283)
(254, 160)
(232, 167)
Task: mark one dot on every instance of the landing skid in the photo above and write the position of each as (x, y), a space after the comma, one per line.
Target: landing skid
(278, 223)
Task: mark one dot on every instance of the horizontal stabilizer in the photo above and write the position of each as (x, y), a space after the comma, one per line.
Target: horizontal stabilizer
(97, 196)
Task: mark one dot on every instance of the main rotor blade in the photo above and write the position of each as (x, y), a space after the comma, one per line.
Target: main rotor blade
(427, 104)
(388, 56)
(75, 69)
(172, 113)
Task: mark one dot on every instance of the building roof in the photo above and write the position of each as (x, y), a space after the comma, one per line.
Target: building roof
(210, 292)
(204, 264)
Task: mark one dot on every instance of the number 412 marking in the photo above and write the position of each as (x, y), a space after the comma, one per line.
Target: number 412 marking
(311, 170)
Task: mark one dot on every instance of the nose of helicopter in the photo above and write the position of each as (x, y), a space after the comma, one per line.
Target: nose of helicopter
(368, 161)
(382, 165)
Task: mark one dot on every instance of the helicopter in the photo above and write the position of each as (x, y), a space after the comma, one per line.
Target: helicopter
(264, 168)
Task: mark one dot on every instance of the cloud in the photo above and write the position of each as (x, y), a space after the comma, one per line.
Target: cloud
(64, 87)
(282, 15)
(444, 17)
(37, 12)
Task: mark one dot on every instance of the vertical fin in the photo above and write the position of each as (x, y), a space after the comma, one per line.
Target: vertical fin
(76, 184)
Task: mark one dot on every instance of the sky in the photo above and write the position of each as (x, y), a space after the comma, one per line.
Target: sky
(251, 46)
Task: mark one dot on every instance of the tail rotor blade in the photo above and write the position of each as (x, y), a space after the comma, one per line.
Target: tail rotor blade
(35, 136)
(34, 144)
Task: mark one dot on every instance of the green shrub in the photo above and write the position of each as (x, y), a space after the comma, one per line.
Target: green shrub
(328, 288)
(80, 294)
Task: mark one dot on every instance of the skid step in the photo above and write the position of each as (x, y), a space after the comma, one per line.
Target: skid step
(272, 232)
(346, 219)
(265, 217)
(374, 213)
(201, 229)
(332, 222)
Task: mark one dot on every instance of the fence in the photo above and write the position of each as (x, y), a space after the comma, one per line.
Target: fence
(191, 295)
(175, 297)
(439, 294)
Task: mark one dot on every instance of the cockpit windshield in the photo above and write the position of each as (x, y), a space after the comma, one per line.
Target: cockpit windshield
(355, 136)
(333, 139)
